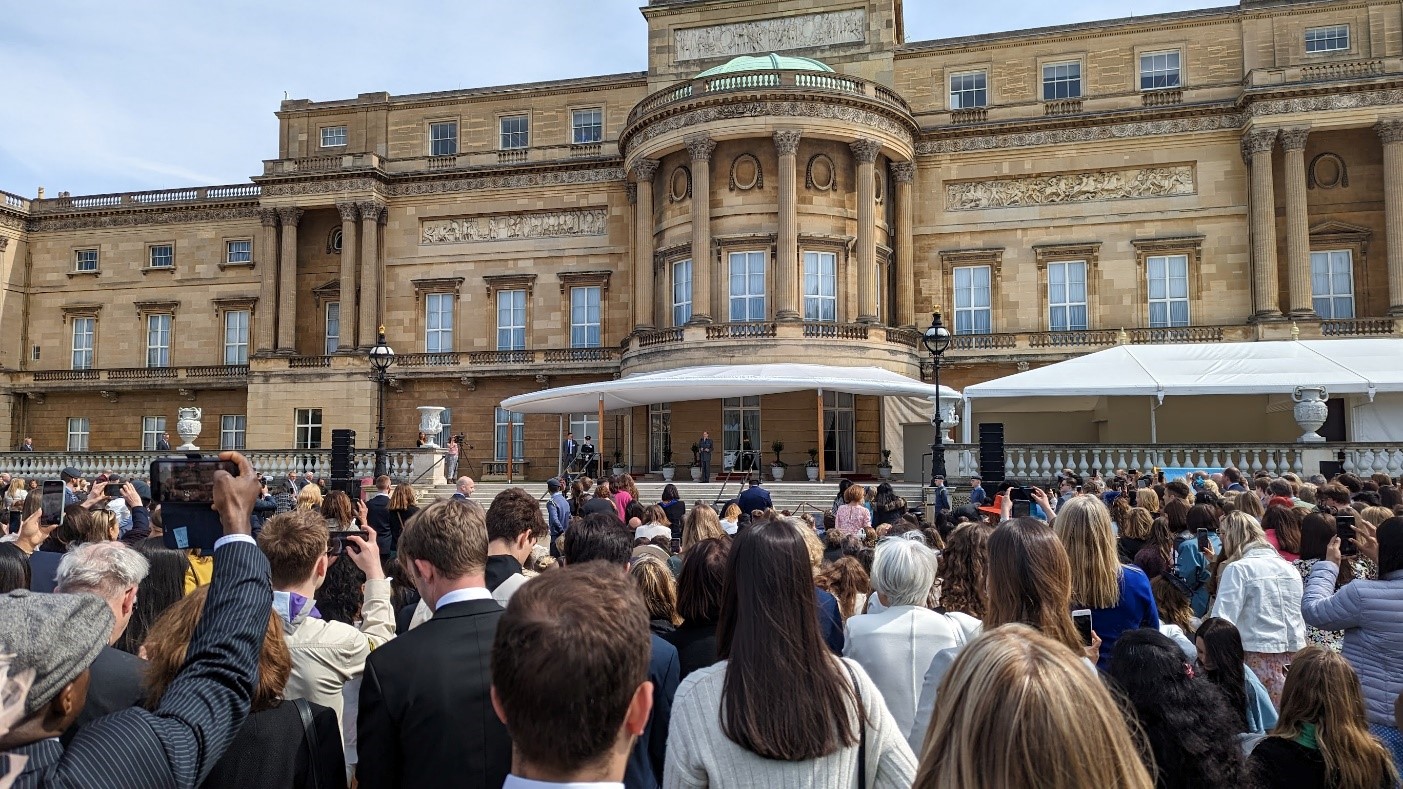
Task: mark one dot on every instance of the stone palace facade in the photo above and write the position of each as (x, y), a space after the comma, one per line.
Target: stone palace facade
(1217, 175)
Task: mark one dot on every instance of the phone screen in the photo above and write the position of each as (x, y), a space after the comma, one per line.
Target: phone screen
(51, 513)
(186, 481)
(1082, 619)
(1022, 508)
(113, 490)
(337, 544)
(1203, 543)
(1344, 529)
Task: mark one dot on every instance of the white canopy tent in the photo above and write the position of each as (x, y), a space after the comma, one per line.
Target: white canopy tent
(1369, 372)
(714, 382)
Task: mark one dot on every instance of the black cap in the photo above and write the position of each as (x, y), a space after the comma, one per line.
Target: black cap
(553, 484)
(70, 473)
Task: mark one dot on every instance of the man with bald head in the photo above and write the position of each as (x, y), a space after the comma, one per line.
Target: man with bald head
(466, 486)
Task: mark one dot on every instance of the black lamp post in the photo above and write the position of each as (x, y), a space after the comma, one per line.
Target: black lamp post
(381, 357)
(936, 340)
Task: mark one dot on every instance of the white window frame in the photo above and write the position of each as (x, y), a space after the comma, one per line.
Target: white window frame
(166, 260)
(79, 430)
(586, 424)
(236, 324)
(233, 431)
(587, 126)
(333, 136)
(659, 435)
(152, 428)
(331, 327)
(978, 288)
(745, 304)
(1061, 295)
(441, 141)
(86, 260)
(438, 322)
(159, 326)
(238, 250)
(968, 95)
(514, 139)
(820, 286)
(735, 413)
(1060, 73)
(84, 342)
(586, 316)
(499, 435)
(681, 292)
(307, 428)
(1327, 34)
(1327, 301)
(1163, 66)
(1168, 300)
(511, 320)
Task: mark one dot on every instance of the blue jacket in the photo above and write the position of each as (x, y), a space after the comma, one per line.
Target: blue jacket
(754, 498)
(830, 620)
(645, 762)
(558, 515)
(1135, 609)
(1371, 614)
(1194, 569)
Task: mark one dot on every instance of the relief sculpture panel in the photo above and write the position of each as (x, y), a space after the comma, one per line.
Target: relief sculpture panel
(505, 227)
(1071, 188)
(771, 35)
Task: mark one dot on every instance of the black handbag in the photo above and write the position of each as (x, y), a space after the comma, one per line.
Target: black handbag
(304, 711)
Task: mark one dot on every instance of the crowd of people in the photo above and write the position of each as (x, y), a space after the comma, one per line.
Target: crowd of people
(1222, 630)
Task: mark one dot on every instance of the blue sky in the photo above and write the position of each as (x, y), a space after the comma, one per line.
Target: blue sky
(108, 96)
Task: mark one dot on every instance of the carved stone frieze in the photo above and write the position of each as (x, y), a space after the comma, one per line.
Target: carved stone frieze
(1326, 101)
(330, 186)
(39, 224)
(543, 224)
(771, 35)
(1070, 188)
(782, 109)
(1081, 134)
(13, 222)
(511, 181)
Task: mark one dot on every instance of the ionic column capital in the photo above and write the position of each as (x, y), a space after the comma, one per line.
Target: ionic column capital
(1295, 139)
(349, 211)
(787, 141)
(700, 147)
(290, 216)
(903, 172)
(645, 169)
(865, 150)
(1390, 131)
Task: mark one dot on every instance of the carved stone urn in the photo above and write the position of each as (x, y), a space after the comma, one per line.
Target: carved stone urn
(429, 424)
(188, 426)
(1311, 412)
(948, 408)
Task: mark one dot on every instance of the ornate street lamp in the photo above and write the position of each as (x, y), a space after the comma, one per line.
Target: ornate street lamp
(937, 340)
(381, 357)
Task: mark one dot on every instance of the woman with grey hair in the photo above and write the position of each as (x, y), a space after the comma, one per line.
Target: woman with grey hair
(895, 645)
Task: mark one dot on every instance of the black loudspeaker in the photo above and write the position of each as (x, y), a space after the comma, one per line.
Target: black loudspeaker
(343, 447)
(991, 452)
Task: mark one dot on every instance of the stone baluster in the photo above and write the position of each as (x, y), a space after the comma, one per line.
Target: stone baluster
(1293, 144)
(267, 282)
(643, 286)
(372, 213)
(346, 340)
(700, 146)
(1257, 149)
(787, 263)
(865, 154)
(1391, 134)
(288, 217)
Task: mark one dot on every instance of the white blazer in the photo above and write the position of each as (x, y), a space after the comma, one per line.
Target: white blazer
(896, 646)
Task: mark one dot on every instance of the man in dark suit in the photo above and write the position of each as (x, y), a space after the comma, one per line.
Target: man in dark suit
(163, 444)
(754, 498)
(378, 513)
(426, 715)
(588, 456)
(704, 446)
(58, 636)
(568, 448)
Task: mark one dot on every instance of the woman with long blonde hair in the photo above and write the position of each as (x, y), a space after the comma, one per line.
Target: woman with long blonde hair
(310, 497)
(1018, 709)
(659, 591)
(1118, 595)
(1322, 735)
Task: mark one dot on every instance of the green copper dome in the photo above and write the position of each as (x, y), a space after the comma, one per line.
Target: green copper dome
(770, 62)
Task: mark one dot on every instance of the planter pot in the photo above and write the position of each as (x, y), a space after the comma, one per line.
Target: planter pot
(884, 472)
(777, 472)
(696, 473)
(1311, 411)
(668, 471)
(188, 427)
(619, 471)
(812, 471)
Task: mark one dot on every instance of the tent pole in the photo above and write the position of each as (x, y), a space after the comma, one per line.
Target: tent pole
(511, 439)
(967, 429)
(820, 436)
(599, 449)
(1154, 419)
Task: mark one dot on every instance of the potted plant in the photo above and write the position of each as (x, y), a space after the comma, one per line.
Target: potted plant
(811, 468)
(696, 464)
(884, 468)
(619, 468)
(669, 468)
(777, 468)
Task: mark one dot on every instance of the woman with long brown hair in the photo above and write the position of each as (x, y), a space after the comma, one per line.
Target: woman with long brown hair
(963, 576)
(403, 505)
(1283, 529)
(1322, 736)
(1118, 595)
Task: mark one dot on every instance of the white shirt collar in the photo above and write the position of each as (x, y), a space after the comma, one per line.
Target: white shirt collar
(464, 595)
(517, 782)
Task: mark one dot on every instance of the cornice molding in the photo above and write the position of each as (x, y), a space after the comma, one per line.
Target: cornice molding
(556, 177)
(132, 218)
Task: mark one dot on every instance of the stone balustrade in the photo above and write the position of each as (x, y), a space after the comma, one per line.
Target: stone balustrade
(197, 194)
(767, 81)
(126, 377)
(773, 341)
(137, 464)
(494, 159)
(322, 164)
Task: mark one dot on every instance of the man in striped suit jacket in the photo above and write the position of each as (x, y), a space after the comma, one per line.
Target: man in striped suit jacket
(179, 743)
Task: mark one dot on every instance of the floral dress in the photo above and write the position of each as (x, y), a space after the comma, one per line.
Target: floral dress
(1333, 639)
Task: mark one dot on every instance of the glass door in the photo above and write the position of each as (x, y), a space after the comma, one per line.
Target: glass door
(839, 433)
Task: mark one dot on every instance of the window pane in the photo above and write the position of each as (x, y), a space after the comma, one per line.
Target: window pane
(333, 327)
(443, 138)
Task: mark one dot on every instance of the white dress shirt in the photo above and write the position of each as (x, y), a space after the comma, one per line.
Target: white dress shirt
(517, 782)
(464, 595)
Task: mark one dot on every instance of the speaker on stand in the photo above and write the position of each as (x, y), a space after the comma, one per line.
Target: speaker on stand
(343, 450)
(991, 455)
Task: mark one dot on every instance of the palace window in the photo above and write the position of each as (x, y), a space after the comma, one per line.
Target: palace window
(333, 136)
(1066, 295)
(587, 126)
(438, 322)
(511, 320)
(681, 292)
(445, 432)
(1159, 70)
(973, 313)
(820, 286)
(85, 260)
(77, 434)
(1334, 38)
(158, 340)
(232, 429)
(161, 256)
(585, 316)
(518, 424)
(84, 332)
(839, 432)
(1169, 290)
(1332, 283)
(333, 326)
(240, 251)
(969, 89)
(1061, 81)
(307, 423)
(747, 286)
(514, 132)
(659, 434)
(443, 138)
(152, 427)
(740, 432)
(583, 425)
(236, 337)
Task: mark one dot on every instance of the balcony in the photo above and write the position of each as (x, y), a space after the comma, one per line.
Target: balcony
(469, 161)
(244, 193)
(1334, 71)
(122, 378)
(1063, 107)
(322, 164)
(1162, 98)
(757, 342)
(540, 361)
(972, 115)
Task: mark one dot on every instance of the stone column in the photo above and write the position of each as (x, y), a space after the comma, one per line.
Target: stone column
(1256, 151)
(1391, 133)
(346, 341)
(1293, 142)
(287, 281)
(268, 283)
(371, 214)
(700, 146)
(643, 289)
(787, 266)
(865, 153)
(905, 313)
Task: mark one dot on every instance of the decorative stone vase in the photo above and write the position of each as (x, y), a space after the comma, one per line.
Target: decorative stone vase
(668, 472)
(884, 472)
(619, 470)
(1311, 412)
(777, 472)
(188, 426)
(429, 424)
(812, 472)
(696, 473)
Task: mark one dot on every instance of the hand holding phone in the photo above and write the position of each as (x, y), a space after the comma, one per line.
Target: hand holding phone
(362, 549)
(51, 505)
(1203, 542)
(1082, 619)
(1344, 529)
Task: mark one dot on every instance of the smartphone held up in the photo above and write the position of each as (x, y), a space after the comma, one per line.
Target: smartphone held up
(184, 487)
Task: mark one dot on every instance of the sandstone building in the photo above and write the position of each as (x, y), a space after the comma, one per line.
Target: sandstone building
(1225, 174)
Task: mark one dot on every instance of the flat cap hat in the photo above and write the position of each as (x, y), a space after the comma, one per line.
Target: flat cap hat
(57, 635)
(70, 472)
